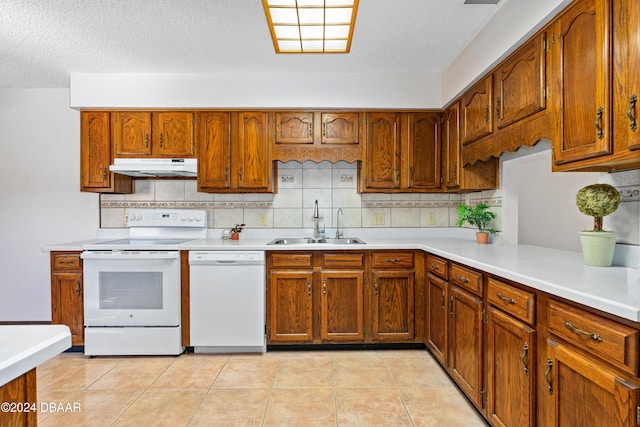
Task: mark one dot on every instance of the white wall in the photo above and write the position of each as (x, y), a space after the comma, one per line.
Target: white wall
(513, 23)
(255, 90)
(40, 195)
(539, 206)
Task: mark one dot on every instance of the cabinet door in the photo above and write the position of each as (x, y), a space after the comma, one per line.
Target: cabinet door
(382, 158)
(173, 134)
(132, 134)
(95, 151)
(583, 47)
(214, 146)
(511, 374)
(582, 392)
(451, 146)
(465, 342)
(294, 128)
(424, 150)
(437, 315)
(520, 83)
(476, 111)
(342, 317)
(340, 128)
(291, 307)
(254, 159)
(626, 63)
(67, 304)
(393, 305)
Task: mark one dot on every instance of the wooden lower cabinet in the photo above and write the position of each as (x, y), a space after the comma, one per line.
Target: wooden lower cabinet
(583, 392)
(291, 306)
(342, 311)
(320, 297)
(67, 293)
(437, 313)
(466, 342)
(393, 316)
(510, 390)
(21, 391)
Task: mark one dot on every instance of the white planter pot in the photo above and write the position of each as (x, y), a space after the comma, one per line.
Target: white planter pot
(598, 247)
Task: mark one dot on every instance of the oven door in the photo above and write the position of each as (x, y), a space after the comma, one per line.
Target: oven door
(131, 288)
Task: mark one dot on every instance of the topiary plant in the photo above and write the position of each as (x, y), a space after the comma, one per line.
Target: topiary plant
(598, 201)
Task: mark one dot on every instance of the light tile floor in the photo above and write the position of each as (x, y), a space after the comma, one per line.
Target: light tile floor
(301, 388)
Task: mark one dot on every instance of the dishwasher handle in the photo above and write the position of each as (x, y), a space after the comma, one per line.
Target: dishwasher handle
(223, 259)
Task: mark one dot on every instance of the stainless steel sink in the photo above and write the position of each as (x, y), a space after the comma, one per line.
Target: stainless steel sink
(313, 240)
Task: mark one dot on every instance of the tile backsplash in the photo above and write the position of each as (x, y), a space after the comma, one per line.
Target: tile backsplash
(333, 185)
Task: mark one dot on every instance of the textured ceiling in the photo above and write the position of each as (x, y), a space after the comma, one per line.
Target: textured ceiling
(42, 41)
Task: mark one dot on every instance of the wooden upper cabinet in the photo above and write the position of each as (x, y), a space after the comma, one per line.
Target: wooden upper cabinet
(451, 146)
(132, 134)
(424, 150)
(173, 134)
(157, 134)
(520, 83)
(477, 111)
(95, 156)
(254, 166)
(382, 152)
(294, 128)
(626, 63)
(583, 49)
(214, 145)
(340, 128)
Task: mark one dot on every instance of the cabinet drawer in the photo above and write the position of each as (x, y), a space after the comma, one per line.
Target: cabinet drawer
(438, 266)
(66, 261)
(466, 278)
(512, 300)
(604, 338)
(350, 260)
(391, 259)
(292, 260)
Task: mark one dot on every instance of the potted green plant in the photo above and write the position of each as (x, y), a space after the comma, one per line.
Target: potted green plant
(598, 201)
(478, 215)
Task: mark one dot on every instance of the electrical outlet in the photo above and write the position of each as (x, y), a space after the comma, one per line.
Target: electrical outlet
(378, 219)
(431, 218)
(262, 219)
(346, 178)
(287, 178)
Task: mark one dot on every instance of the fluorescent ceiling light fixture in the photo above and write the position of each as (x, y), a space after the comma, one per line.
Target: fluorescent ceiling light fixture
(311, 26)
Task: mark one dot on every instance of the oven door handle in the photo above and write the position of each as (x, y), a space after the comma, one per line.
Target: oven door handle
(124, 255)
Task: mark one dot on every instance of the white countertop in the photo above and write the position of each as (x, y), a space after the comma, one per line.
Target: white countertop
(614, 290)
(23, 347)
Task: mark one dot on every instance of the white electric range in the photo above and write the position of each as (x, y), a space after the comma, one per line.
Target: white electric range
(132, 285)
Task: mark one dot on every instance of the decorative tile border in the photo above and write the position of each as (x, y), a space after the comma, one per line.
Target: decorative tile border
(629, 193)
(184, 205)
(425, 203)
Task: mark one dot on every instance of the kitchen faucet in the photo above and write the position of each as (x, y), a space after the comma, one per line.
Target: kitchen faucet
(316, 220)
(338, 232)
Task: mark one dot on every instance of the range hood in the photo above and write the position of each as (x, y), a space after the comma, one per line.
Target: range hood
(155, 167)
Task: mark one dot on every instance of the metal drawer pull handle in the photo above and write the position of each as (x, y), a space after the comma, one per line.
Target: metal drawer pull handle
(375, 287)
(435, 266)
(630, 111)
(309, 287)
(592, 335)
(505, 299)
(546, 375)
(451, 307)
(324, 286)
(525, 351)
(393, 260)
(442, 300)
(78, 293)
(463, 279)
(598, 122)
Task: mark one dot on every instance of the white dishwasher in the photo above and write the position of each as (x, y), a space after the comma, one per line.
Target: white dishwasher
(227, 301)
